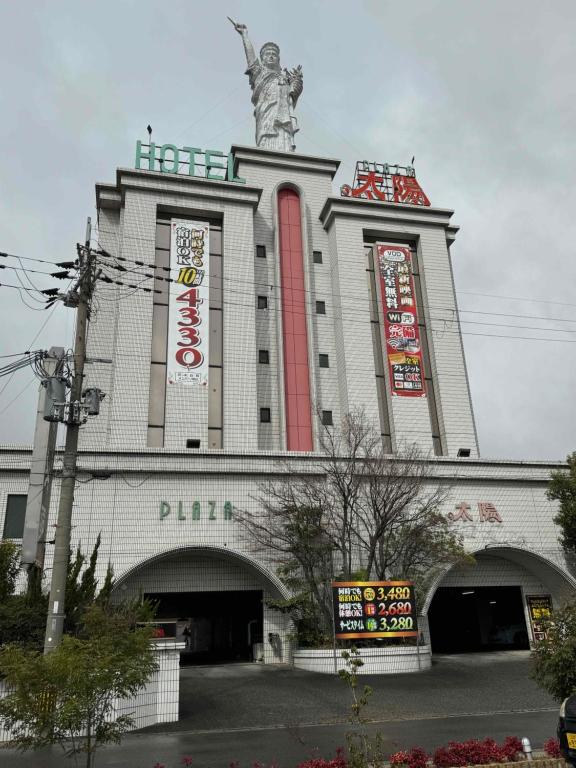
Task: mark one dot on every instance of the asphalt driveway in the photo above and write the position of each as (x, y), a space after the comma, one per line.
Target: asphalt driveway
(248, 712)
(245, 695)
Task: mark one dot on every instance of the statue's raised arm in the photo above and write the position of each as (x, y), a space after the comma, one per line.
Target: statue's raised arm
(242, 30)
(274, 94)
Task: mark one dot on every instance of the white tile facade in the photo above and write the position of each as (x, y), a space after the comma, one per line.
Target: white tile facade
(176, 552)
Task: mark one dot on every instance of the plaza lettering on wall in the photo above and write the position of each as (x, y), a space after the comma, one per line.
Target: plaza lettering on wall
(196, 510)
(188, 161)
(374, 609)
(385, 182)
(188, 311)
(401, 334)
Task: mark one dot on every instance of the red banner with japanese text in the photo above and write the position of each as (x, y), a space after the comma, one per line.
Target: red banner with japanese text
(401, 333)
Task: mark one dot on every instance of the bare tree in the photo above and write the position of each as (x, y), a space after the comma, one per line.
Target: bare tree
(289, 527)
(359, 514)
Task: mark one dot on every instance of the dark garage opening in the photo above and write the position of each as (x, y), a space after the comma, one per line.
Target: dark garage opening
(224, 626)
(467, 619)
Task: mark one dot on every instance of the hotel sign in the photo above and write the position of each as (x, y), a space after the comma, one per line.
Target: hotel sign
(387, 183)
(188, 161)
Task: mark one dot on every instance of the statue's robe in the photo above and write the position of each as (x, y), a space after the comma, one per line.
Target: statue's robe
(274, 96)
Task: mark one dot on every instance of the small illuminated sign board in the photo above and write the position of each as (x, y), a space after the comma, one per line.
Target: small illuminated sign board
(188, 161)
(385, 182)
(540, 610)
(374, 609)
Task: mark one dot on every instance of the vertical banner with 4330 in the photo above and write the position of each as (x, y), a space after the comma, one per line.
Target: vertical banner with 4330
(188, 309)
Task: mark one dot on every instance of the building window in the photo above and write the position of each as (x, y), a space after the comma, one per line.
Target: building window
(263, 356)
(262, 302)
(265, 415)
(317, 257)
(15, 514)
(320, 307)
(193, 443)
(323, 361)
(327, 418)
(261, 251)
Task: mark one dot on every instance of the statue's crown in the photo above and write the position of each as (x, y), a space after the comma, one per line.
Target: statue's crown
(270, 45)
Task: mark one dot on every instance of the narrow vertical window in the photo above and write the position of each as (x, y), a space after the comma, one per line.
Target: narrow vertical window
(265, 415)
(15, 514)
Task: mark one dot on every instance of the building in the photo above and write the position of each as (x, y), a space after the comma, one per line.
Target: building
(298, 304)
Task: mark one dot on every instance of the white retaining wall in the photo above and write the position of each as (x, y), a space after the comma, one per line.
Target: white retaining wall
(156, 702)
(388, 660)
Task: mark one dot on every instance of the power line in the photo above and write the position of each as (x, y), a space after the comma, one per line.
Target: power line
(24, 362)
(209, 111)
(25, 272)
(320, 292)
(519, 298)
(5, 255)
(28, 271)
(44, 324)
(17, 396)
(18, 354)
(138, 286)
(348, 319)
(308, 314)
(31, 296)
(19, 288)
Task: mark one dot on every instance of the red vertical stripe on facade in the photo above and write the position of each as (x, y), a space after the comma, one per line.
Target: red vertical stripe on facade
(294, 334)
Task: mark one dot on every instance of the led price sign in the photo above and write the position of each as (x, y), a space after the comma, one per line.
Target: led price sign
(374, 609)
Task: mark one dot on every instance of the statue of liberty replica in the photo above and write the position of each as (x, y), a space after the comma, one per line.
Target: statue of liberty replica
(275, 92)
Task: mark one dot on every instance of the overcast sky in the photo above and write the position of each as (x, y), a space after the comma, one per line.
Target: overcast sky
(482, 93)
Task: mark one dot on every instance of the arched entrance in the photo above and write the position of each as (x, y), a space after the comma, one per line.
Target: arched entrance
(215, 600)
(489, 606)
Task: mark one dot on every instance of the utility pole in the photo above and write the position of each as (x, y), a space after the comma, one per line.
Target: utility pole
(41, 468)
(56, 604)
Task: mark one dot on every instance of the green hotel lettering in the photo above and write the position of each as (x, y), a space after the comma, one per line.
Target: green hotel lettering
(196, 512)
(167, 158)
